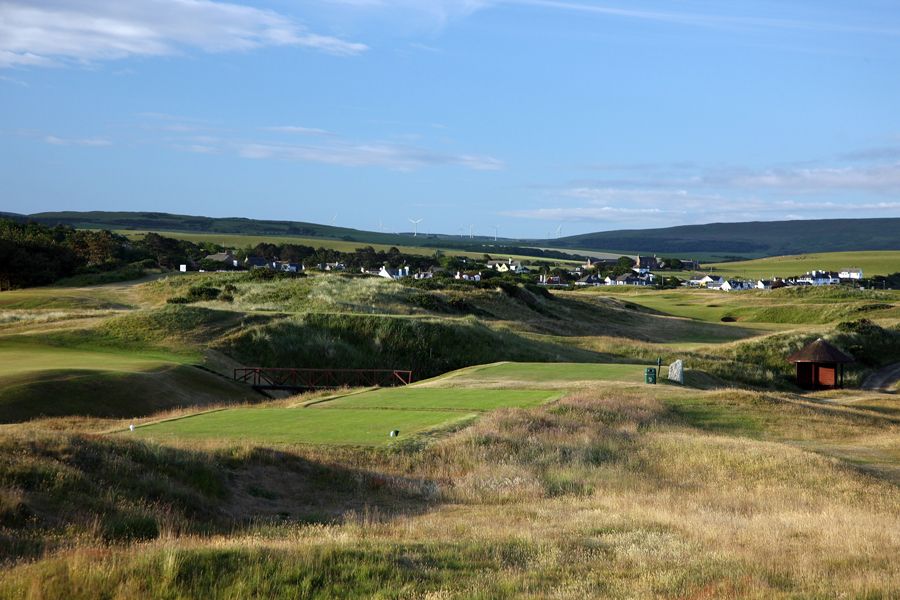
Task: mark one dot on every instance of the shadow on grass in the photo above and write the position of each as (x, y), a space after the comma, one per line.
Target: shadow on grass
(61, 489)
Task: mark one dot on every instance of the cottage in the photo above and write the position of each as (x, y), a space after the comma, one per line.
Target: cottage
(818, 278)
(734, 284)
(630, 279)
(257, 262)
(592, 279)
(288, 267)
(764, 284)
(226, 258)
(468, 276)
(546, 279)
(851, 274)
(507, 266)
(711, 282)
(394, 273)
(820, 366)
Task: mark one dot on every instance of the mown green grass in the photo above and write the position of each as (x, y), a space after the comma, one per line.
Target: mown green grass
(20, 356)
(300, 426)
(550, 372)
(412, 398)
(871, 262)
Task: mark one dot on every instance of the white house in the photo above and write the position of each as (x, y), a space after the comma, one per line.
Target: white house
(734, 284)
(712, 282)
(394, 273)
(507, 266)
(467, 276)
(818, 278)
(854, 274)
(763, 284)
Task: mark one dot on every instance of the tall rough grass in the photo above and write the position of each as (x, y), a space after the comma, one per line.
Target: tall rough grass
(603, 494)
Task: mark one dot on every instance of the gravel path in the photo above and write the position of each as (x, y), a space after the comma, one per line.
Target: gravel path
(882, 380)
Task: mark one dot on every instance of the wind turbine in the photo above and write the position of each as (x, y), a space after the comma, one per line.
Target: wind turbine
(496, 229)
(415, 223)
(334, 218)
(470, 231)
(558, 230)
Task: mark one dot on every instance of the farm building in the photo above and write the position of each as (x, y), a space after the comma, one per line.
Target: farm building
(820, 366)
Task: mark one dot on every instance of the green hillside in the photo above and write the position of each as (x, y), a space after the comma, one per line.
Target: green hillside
(751, 240)
(714, 241)
(872, 263)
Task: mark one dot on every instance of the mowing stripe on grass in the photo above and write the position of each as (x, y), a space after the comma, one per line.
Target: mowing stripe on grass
(293, 426)
(441, 399)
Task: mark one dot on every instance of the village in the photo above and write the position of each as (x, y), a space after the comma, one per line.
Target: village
(643, 271)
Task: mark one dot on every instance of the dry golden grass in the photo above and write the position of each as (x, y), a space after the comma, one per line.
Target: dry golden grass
(607, 493)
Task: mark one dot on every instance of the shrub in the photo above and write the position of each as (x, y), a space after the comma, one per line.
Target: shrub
(201, 292)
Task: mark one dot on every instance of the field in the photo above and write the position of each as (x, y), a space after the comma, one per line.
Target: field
(407, 245)
(872, 263)
(532, 459)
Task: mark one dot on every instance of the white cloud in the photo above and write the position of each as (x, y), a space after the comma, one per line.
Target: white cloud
(58, 141)
(870, 178)
(46, 32)
(298, 130)
(378, 154)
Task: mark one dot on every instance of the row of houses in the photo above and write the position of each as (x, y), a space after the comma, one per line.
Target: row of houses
(811, 278)
(633, 278)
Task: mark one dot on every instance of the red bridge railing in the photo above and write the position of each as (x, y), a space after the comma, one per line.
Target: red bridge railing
(312, 379)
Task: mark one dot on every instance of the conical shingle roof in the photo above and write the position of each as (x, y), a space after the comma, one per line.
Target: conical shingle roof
(819, 351)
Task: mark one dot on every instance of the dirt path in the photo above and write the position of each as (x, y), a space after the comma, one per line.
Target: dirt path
(883, 379)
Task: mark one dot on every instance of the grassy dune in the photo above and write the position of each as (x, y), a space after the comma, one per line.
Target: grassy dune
(607, 493)
(871, 262)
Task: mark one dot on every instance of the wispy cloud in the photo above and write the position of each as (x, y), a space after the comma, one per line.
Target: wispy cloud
(377, 154)
(299, 130)
(709, 20)
(53, 32)
(317, 145)
(58, 141)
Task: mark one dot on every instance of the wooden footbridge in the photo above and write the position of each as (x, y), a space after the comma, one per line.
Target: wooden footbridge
(262, 378)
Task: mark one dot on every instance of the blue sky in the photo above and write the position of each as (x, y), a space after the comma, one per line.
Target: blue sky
(535, 116)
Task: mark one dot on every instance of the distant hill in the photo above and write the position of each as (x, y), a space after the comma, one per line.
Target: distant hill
(714, 241)
(153, 221)
(751, 239)
(165, 222)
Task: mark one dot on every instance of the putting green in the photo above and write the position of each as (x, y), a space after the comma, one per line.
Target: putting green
(433, 398)
(300, 426)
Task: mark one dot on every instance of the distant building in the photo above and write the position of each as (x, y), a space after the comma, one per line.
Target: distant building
(226, 258)
(851, 274)
(257, 262)
(468, 276)
(394, 273)
(646, 263)
(818, 278)
(507, 266)
(820, 366)
(592, 279)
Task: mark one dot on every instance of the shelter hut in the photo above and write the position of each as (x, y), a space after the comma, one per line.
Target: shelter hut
(820, 366)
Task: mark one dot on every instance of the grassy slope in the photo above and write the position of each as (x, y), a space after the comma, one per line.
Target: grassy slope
(751, 239)
(610, 492)
(872, 263)
(405, 243)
